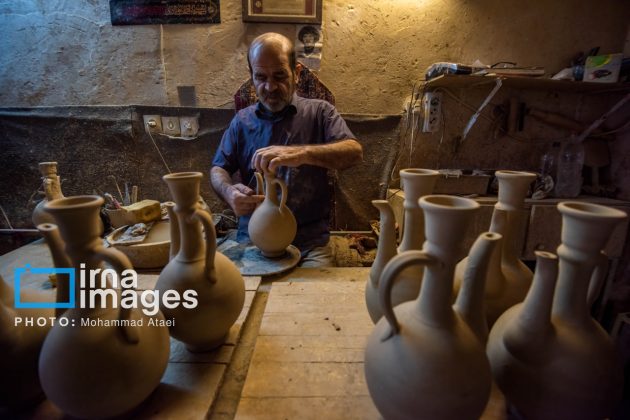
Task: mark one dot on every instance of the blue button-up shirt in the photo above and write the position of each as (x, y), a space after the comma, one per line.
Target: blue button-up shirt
(304, 121)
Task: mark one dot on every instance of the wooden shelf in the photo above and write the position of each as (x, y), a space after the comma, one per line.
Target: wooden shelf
(531, 83)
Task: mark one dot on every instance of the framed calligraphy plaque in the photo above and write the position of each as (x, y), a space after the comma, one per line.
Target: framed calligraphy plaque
(150, 12)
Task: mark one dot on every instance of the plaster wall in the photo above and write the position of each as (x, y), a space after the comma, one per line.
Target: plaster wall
(66, 52)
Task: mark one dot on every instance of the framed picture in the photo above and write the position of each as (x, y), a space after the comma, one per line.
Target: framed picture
(152, 12)
(289, 11)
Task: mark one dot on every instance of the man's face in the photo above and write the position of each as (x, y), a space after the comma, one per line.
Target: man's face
(308, 39)
(273, 78)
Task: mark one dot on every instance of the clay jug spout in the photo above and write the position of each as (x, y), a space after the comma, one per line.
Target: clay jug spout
(530, 334)
(55, 244)
(386, 241)
(470, 299)
(260, 184)
(385, 251)
(60, 259)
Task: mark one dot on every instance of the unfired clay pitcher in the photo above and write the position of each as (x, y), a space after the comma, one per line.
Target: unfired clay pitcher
(552, 360)
(196, 265)
(384, 252)
(423, 361)
(416, 183)
(52, 188)
(20, 346)
(107, 369)
(508, 277)
(272, 226)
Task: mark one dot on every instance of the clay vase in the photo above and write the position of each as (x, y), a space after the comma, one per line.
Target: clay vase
(416, 183)
(52, 188)
(106, 359)
(272, 226)
(196, 265)
(508, 277)
(548, 356)
(20, 347)
(385, 251)
(422, 360)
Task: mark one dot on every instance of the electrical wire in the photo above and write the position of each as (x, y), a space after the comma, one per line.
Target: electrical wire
(159, 153)
(6, 218)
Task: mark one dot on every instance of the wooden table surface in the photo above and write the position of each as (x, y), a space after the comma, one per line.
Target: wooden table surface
(310, 327)
(308, 358)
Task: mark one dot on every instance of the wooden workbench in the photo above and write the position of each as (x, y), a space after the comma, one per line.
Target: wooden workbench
(308, 331)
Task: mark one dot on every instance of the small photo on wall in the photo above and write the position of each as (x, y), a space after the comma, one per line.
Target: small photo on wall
(308, 45)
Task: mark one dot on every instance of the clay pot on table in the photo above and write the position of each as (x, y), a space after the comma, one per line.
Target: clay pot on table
(272, 227)
(197, 266)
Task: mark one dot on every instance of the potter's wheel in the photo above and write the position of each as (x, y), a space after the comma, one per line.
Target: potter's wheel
(251, 262)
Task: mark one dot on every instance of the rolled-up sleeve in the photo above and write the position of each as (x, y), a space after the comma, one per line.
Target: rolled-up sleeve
(226, 154)
(335, 127)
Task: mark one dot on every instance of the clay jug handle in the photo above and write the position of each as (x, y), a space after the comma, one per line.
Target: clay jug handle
(211, 243)
(173, 223)
(283, 196)
(121, 263)
(260, 183)
(390, 273)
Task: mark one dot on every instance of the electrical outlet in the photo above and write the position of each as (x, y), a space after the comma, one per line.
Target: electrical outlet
(170, 126)
(152, 124)
(189, 126)
(432, 111)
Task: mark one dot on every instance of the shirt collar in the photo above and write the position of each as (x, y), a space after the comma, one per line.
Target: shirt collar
(264, 114)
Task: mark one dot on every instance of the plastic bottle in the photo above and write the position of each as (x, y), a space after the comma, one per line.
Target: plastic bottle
(549, 161)
(569, 175)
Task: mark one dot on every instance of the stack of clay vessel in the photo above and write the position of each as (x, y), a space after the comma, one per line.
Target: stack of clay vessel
(423, 360)
(415, 183)
(196, 265)
(549, 357)
(272, 227)
(52, 188)
(508, 277)
(105, 359)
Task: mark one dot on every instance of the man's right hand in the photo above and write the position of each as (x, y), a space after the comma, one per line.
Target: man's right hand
(243, 199)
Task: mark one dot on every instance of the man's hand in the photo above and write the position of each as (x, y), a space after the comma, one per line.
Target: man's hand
(337, 155)
(269, 158)
(243, 200)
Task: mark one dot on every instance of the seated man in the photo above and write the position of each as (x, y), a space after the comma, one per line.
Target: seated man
(297, 139)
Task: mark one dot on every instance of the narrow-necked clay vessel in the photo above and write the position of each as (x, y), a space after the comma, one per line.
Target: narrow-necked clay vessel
(548, 356)
(196, 265)
(508, 277)
(52, 188)
(415, 183)
(105, 360)
(272, 226)
(423, 361)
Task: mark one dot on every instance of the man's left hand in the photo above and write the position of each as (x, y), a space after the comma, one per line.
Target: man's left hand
(269, 158)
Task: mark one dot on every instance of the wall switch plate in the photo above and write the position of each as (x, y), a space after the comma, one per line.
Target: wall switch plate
(152, 124)
(170, 126)
(432, 111)
(189, 126)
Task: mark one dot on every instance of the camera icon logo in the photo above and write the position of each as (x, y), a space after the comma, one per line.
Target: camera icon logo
(20, 271)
